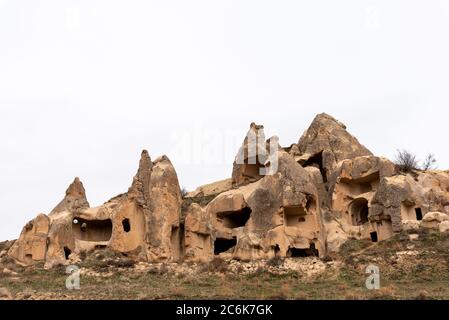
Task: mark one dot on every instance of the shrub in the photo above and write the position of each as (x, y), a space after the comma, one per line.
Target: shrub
(124, 263)
(406, 161)
(275, 262)
(184, 192)
(216, 265)
(430, 163)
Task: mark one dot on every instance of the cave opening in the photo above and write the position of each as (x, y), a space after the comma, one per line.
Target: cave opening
(294, 216)
(277, 251)
(92, 230)
(126, 225)
(235, 219)
(252, 171)
(359, 212)
(419, 215)
(177, 240)
(303, 253)
(374, 237)
(67, 253)
(317, 161)
(222, 245)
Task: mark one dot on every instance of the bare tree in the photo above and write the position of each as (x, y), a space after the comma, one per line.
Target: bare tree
(430, 163)
(406, 161)
(184, 192)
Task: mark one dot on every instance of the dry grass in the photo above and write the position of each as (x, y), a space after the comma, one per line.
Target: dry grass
(419, 276)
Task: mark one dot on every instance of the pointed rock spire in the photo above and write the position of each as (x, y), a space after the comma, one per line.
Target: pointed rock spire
(75, 198)
(251, 156)
(325, 143)
(139, 190)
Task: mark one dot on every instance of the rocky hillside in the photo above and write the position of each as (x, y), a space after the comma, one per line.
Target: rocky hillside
(317, 210)
(412, 266)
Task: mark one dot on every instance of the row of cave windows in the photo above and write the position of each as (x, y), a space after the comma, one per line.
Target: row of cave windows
(98, 230)
(360, 213)
(94, 230)
(101, 230)
(224, 245)
(293, 216)
(252, 171)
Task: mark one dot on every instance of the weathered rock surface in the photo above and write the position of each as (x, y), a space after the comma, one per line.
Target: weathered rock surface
(5, 294)
(32, 244)
(303, 201)
(253, 159)
(143, 223)
(163, 234)
(211, 189)
(75, 198)
(279, 215)
(198, 240)
(326, 143)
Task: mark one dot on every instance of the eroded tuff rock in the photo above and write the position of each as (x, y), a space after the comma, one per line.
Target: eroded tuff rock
(305, 200)
(164, 232)
(75, 198)
(198, 230)
(325, 144)
(211, 189)
(32, 244)
(279, 215)
(253, 159)
(143, 223)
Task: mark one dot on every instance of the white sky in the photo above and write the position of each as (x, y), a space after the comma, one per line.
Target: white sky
(85, 85)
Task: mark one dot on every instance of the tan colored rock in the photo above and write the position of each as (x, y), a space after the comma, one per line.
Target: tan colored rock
(5, 294)
(128, 229)
(411, 225)
(279, 215)
(163, 234)
(32, 244)
(211, 189)
(444, 226)
(140, 188)
(335, 236)
(198, 240)
(325, 143)
(304, 200)
(75, 198)
(61, 240)
(253, 157)
(432, 220)
(414, 237)
(353, 185)
(143, 223)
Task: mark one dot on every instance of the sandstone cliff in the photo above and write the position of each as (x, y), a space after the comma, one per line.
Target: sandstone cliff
(305, 200)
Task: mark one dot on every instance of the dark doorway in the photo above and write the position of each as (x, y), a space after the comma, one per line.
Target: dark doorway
(223, 245)
(317, 161)
(374, 237)
(92, 230)
(419, 215)
(303, 253)
(67, 253)
(277, 251)
(359, 212)
(252, 171)
(126, 225)
(235, 219)
(294, 216)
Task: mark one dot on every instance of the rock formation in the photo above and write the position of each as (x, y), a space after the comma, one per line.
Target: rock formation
(143, 223)
(325, 144)
(305, 200)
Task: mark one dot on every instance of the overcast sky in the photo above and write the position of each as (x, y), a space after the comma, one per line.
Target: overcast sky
(86, 85)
